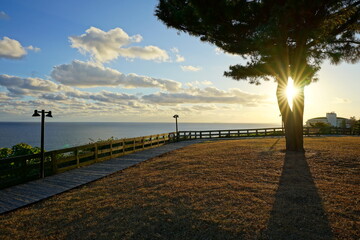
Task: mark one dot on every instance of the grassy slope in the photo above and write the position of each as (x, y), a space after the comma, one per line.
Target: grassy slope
(234, 189)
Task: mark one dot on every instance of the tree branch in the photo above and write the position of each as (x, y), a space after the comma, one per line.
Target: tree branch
(345, 41)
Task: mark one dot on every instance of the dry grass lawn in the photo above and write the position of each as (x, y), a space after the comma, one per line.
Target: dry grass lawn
(233, 189)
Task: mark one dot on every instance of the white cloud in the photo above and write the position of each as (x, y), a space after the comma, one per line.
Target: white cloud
(54, 96)
(179, 58)
(85, 74)
(32, 48)
(10, 48)
(339, 100)
(26, 86)
(204, 108)
(107, 46)
(190, 68)
(3, 15)
(45, 89)
(207, 95)
(219, 51)
(4, 97)
(198, 83)
(146, 53)
(89, 74)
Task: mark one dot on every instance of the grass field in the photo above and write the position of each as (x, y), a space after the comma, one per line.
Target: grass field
(233, 189)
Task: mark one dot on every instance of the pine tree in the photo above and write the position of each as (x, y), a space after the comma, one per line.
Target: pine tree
(279, 38)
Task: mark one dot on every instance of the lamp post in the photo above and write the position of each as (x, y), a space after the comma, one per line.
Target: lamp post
(42, 115)
(176, 124)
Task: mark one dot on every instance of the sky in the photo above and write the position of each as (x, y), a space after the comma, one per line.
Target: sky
(114, 61)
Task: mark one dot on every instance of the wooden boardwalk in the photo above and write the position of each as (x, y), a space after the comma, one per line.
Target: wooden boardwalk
(24, 194)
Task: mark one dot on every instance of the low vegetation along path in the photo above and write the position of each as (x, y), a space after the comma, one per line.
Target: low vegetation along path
(234, 189)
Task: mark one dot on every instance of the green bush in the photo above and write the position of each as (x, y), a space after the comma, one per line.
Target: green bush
(5, 152)
(19, 150)
(324, 128)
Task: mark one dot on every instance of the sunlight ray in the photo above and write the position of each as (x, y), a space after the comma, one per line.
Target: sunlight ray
(291, 92)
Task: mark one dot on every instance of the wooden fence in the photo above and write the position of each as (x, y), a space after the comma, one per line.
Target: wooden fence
(20, 169)
(185, 135)
(260, 132)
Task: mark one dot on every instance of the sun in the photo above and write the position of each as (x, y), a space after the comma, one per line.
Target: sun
(291, 92)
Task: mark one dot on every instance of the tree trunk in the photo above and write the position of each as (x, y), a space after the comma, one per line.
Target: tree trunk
(292, 118)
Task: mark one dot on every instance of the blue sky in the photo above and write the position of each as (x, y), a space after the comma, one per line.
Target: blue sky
(114, 61)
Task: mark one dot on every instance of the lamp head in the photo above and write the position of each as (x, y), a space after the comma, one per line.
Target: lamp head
(36, 114)
(49, 114)
(175, 116)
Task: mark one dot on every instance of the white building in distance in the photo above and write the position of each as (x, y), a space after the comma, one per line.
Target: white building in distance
(331, 118)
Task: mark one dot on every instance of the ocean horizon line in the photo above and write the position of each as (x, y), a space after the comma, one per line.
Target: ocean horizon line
(138, 122)
(68, 134)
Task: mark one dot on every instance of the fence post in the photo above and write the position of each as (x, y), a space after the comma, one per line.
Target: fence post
(54, 162)
(111, 148)
(96, 152)
(123, 145)
(77, 157)
(23, 169)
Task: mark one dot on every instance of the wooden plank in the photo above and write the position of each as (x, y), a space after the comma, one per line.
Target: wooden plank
(104, 158)
(66, 159)
(24, 190)
(67, 183)
(65, 150)
(87, 163)
(10, 201)
(104, 143)
(102, 151)
(21, 196)
(115, 155)
(118, 148)
(86, 155)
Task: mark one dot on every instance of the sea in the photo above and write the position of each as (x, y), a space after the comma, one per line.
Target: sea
(60, 135)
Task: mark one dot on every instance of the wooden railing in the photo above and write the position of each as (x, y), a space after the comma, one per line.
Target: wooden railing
(261, 132)
(21, 169)
(185, 135)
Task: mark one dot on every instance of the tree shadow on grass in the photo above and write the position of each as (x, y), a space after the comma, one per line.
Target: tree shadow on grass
(298, 212)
